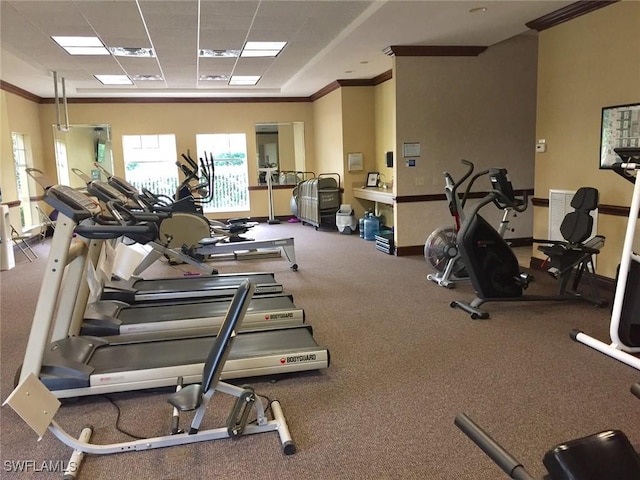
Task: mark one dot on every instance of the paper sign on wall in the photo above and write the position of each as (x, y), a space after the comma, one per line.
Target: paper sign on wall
(411, 149)
(354, 162)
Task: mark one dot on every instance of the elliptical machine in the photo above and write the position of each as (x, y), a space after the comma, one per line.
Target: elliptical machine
(441, 248)
(493, 267)
(193, 235)
(187, 224)
(204, 178)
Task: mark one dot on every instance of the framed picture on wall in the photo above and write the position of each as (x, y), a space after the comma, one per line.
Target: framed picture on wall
(372, 179)
(620, 127)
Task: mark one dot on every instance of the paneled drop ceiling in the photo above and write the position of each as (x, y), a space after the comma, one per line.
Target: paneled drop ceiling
(325, 41)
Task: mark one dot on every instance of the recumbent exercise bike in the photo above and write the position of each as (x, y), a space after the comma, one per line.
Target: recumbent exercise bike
(494, 269)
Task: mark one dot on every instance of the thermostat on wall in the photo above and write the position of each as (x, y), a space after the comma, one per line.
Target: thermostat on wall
(411, 162)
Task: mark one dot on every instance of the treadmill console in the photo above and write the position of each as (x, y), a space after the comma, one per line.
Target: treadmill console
(500, 182)
(630, 157)
(106, 192)
(122, 185)
(72, 203)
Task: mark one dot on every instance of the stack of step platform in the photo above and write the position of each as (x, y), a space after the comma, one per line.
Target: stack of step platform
(384, 242)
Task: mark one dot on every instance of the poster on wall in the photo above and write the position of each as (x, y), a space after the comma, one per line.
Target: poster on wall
(411, 149)
(620, 127)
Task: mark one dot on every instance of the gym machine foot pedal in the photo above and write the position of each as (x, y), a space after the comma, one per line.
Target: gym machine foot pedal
(237, 420)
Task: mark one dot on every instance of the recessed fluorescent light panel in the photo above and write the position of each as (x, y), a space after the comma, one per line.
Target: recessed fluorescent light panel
(86, 50)
(209, 78)
(81, 45)
(207, 53)
(114, 79)
(145, 78)
(132, 52)
(262, 49)
(78, 41)
(259, 53)
(244, 80)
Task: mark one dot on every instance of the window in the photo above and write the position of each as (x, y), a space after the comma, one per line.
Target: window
(231, 180)
(62, 164)
(150, 163)
(22, 161)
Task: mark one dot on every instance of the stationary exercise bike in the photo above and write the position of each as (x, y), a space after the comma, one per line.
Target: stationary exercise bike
(441, 248)
(493, 267)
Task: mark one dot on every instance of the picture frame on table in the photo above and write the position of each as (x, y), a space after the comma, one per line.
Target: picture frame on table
(372, 179)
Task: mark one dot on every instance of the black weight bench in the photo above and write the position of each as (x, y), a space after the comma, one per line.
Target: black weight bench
(606, 455)
(602, 456)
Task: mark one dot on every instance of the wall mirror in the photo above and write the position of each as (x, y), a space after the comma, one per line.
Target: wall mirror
(80, 146)
(280, 151)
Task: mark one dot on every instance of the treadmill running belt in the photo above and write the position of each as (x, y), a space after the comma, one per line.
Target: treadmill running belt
(142, 356)
(197, 283)
(198, 309)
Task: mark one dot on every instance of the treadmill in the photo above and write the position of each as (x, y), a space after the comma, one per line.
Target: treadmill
(163, 312)
(219, 285)
(79, 366)
(114, 318)
(137, 290)
(72, 366)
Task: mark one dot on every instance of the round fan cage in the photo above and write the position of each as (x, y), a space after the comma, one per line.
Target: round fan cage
(438, 248)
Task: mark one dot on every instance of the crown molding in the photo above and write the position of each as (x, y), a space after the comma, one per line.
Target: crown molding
(326, 90)
(182, 100)
(567, 13)
(365, 82)
(7, 87)
(368, 82)
(383, 77)
(434, 50)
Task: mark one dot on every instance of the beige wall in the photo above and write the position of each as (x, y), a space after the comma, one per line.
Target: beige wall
(385, 126)
(327, 117)
(481, 108)
(477, 108)
(185, 120)
(585, 64)
(19, 116)
(438, 102)
(358, 134)
(346, 122)
(385, 139)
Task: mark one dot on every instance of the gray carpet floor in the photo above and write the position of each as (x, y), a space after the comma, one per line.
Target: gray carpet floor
(403, 364)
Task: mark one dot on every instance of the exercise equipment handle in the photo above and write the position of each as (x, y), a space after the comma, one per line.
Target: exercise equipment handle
(470, 167)
(494, 451)
(635, 389)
